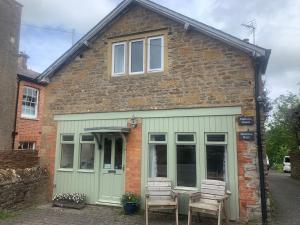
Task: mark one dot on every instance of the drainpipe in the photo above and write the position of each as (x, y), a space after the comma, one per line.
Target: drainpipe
(16, 115)
(258, 101)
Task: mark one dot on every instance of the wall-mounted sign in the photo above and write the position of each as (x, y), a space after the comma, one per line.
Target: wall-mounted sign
(246, 136)
(246, 120)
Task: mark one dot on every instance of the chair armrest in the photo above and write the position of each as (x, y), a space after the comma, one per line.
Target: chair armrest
(193, 195)
(174, 194)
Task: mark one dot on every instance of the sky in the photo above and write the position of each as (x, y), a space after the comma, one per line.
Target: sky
(50, 26)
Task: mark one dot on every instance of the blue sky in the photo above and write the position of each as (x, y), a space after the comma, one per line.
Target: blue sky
(47, 25)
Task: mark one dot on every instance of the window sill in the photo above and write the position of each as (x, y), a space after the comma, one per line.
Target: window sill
(65, 170)
(85, 171)
(29, 118)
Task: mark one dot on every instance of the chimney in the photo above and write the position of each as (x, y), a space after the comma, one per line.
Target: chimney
(22, 60)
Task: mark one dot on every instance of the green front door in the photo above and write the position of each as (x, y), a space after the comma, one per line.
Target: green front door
(112, 170)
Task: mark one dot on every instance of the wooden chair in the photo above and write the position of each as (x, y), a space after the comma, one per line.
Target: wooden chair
(210, 199)
(160, 196)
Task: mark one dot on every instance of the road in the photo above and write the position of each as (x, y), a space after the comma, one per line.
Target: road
(286, 195)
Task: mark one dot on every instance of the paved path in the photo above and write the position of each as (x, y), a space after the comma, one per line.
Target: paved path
(93, 215)
(286, 194)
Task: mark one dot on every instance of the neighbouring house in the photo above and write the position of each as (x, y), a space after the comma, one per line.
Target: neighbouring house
(30, 105)
(149, 92)
(10, 19)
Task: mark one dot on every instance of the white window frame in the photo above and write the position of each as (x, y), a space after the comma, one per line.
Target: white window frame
(113, 59)
(220, 143)
(86, 142)
(185, 142)
(130, 43)
(22, 143)
(66, 142)
(36, 105)
(157, 142)
(162, 55)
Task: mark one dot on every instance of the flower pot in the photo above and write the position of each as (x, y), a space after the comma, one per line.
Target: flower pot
(130, 208)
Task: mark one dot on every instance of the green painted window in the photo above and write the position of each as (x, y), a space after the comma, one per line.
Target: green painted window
(67, 151)
(216, 156)
(87, 152)
(157, 155)
(186, 159)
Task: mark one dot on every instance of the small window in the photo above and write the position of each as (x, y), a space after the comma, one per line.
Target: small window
(155, 54)
(67, 152)
(136, 57)
(157, 155)
(26, 145)
(215, 138)
(186, 159)
(29, 102)
(87, 152)
(118, 58)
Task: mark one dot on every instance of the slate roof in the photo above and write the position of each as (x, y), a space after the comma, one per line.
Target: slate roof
(257, 52)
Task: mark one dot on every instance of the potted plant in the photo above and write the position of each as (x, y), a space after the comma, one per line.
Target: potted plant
(130, 203)
(70, 200)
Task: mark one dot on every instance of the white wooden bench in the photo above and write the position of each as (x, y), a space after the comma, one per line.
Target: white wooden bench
(210, 199)
(160, 196)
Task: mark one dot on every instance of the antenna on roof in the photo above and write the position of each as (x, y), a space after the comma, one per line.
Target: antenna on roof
(251, 27)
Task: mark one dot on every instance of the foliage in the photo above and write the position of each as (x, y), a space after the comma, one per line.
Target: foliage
(130, 197)
(4, 214)
(283, 130)
(74, 197)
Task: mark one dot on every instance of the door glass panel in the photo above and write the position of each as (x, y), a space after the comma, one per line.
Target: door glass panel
(216, 164)
(107, 153)
(118, 153)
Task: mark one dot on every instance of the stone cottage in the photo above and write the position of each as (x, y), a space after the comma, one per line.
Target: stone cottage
(149, 92)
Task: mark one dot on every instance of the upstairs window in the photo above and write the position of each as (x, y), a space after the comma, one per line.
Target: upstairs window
(29, 102)
(118, 58)
(136, 59)
(155, 54)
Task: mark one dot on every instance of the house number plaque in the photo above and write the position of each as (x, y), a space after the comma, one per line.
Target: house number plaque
(246, 136)
(246, 120)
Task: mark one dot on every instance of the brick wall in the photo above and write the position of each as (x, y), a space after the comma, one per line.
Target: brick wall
(200, 72)
(29, 129)
(295, 164)
(10, 17)
(18, 159)
(22, 187)
(133, 160)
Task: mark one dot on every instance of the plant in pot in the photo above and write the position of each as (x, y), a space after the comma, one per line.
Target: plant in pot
(70, 200)
(130, 202)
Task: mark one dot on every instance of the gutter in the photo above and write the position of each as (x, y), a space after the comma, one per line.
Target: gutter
(258, 102)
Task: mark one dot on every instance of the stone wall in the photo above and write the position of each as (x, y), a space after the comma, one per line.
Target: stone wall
(295, 164)
(10, 18)
(18, 159)
(22, 187)
(29, 129)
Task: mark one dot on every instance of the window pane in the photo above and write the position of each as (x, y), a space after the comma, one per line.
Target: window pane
(186, 165)
(107, 153)
(216, 165)
(118, 153)
(87, 138)
(157, 160)
(185, 137)
(155, 53)
(119, 51)
(137, 56)
(67, 154)
(87, 156)
(68, 137)
(29, 102)
(216, 137)
(157, 137)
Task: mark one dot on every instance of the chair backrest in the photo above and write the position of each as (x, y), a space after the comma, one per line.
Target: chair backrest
(213, 189)
(159, 187)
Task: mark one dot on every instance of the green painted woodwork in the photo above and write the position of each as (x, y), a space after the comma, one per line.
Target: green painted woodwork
(152, 113)
(199, 126)
(199, 121)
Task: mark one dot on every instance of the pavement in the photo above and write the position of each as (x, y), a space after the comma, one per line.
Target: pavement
(95, 215)
(285, 192)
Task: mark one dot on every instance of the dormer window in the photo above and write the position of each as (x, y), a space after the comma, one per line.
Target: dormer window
(30, 103)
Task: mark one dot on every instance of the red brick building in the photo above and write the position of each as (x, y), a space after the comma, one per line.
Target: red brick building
(30, 107)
